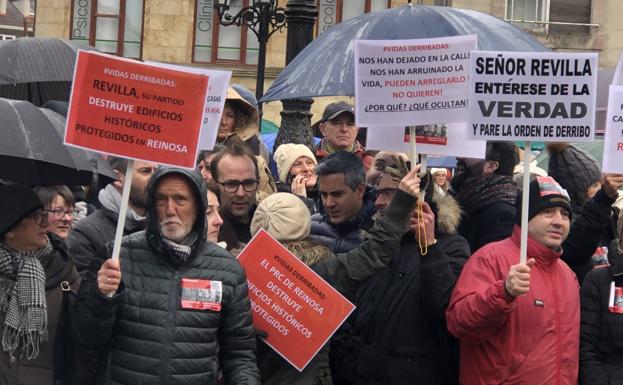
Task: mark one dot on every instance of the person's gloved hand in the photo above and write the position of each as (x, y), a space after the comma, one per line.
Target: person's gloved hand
(81, 212)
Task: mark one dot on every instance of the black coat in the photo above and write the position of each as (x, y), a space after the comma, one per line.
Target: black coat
(399, 334)
(489, 224)
(601, 333)
(588, 230)
(90, 234)
(145, 331)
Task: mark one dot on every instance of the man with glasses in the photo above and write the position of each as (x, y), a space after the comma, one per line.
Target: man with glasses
(235, 170)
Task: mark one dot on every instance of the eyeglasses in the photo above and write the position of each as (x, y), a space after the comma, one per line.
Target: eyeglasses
(59, 212)
(231, 186)
(39, 217)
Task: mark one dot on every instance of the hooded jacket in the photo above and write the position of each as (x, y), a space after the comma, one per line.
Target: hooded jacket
(601, 335)
(149, 335)
(532, 339)
(399, 331)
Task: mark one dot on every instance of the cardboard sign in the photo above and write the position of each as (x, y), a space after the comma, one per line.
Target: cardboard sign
(406, 82)
(215, 100)
(450, 139)
(613, 140)
(135, 110)
(544, 96)
(294, 305)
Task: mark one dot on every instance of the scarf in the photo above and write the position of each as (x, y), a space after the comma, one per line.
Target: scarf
(485, 190)
(22, 300)
(182, 250)
(110, 199)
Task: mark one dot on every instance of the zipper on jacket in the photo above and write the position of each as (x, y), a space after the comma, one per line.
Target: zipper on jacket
(169, 329)
(558, 331)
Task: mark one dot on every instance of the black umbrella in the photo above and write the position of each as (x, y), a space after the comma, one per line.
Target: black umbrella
(38, 69)
(326, 66)
(32, 150)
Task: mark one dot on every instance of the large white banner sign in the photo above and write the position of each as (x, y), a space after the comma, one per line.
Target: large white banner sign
(420, 81)
(544, 96)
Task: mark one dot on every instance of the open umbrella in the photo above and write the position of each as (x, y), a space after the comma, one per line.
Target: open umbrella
(38, 69)
(32, 149)
(325, 67)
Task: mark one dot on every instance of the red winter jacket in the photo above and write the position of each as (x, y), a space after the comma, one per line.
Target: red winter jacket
(531, 340)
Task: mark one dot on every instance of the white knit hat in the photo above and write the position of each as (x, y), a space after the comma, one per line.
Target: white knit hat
(434, 170)
(284, 216)
(286, 154)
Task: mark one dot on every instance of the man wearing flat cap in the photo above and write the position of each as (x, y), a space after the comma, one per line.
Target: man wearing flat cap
(519, 323)
(339, 133)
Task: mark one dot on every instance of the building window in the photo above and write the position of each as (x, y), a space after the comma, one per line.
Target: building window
(528, 14)
(214, 43)
(112, 26)
(551, 16)
(7, 37)
(332, 12)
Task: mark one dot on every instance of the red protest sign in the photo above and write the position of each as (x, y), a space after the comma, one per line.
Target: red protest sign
(294, 305)
(135, 110)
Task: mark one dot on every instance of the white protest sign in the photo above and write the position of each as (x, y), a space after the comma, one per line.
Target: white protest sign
(543, 96)
(450, 139)
(215, 100)
(613, 141)
(419, 81)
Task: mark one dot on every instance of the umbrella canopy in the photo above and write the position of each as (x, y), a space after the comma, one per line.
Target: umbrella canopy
(38, 69)
(325, 67)
(32, 149)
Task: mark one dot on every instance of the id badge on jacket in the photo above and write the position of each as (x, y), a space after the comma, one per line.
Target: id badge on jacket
(201, 294)
(615, 304)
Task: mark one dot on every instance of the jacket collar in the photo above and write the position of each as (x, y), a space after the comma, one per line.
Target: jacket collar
(543, 254)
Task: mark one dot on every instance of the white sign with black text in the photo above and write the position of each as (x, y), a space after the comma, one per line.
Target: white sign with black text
(544, 96)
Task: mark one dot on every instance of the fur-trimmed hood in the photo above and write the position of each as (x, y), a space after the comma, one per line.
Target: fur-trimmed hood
(448, 213)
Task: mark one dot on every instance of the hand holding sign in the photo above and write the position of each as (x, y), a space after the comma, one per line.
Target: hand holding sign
(411, 183)
(518, 279)
(109, 277)
(611, 183)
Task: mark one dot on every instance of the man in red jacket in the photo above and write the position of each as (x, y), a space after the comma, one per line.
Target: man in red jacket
(520, 323)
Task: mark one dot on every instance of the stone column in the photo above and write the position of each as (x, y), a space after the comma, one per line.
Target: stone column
(296, 117)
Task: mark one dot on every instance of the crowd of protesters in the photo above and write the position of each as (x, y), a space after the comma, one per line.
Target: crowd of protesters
(430, 258)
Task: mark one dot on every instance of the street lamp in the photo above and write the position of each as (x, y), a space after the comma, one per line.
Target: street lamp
(264, 18)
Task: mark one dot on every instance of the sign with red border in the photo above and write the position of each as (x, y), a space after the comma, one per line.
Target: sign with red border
(298, 309)
(135, 110)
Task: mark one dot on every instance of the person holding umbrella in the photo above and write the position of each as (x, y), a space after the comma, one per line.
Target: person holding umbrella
(36, 275)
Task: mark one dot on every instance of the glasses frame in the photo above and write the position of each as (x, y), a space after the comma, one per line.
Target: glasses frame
(239, 183)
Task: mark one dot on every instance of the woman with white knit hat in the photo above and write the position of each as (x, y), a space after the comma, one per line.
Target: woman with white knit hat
(296, 169)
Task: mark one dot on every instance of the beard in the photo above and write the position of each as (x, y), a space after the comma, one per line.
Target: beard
(464, 173)
(138, 197)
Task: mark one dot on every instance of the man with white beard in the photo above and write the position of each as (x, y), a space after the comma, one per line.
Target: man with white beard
(174, 309)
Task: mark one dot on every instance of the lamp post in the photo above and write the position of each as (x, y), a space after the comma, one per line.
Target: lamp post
(264, 18)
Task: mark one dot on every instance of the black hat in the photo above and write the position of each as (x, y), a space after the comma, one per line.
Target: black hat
(545, 192)
(575, 170)
(16, 203)
(334, 109)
